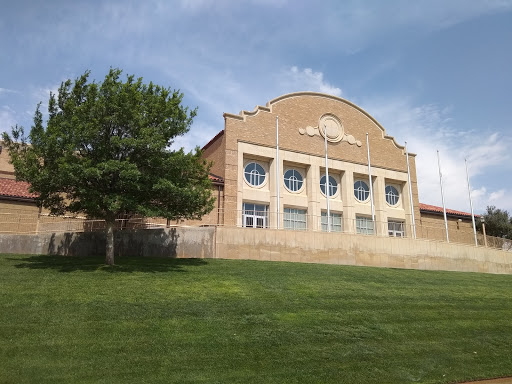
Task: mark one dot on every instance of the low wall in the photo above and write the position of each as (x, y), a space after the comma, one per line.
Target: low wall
(350, 249)
(182, 242)
(269, 244)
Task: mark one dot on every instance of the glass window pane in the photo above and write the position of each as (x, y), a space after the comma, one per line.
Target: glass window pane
(335, 222)
(361, 190)
(364, 225)
(255, 215)
(333, 185)
(295, 218)
(392, 195)
(293, 180)
(396, 228)
(254, 174)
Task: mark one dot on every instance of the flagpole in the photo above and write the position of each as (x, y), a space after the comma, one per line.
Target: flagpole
(442, 197)
(277, 168)
(370, 179)
(410, 192)
(471, 203)
(327, 189)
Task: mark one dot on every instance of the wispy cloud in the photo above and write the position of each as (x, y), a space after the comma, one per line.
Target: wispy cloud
(295, 79)
(7, 118)
(4, 91)
(429, 128)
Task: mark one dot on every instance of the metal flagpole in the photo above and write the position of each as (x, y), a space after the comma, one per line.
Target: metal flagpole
(327, 189)
(277, 168)
(370, 179)
(410, 192)
(442, 197)
(471, 203)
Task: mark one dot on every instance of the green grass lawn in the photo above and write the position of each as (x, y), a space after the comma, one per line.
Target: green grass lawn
(68, 320)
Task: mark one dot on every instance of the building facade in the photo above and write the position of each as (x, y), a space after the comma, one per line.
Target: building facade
(292, 188)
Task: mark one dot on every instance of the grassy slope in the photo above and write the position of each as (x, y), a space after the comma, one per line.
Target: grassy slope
(68, 320)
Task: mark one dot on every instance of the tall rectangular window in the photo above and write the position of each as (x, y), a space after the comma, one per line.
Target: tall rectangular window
(364, 225)
(335, 222)
(295, 219)
(396, 228)
(255, 215)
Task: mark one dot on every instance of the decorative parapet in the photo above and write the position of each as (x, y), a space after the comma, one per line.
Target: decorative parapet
(311, 131)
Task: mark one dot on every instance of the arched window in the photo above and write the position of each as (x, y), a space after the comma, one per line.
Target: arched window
(361, 191)
(392, 195)
(333, 185)
(254, 174)
(293, 180)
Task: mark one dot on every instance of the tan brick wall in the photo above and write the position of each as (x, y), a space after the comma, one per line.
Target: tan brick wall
(305, 110)
(6, 169)
(432, 227)
(18, 216)
(12, 206)
(216, 152)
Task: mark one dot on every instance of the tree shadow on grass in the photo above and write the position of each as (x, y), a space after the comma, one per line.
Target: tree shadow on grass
(123, 264)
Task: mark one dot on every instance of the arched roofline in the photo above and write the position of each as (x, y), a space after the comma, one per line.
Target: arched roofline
(268, 108)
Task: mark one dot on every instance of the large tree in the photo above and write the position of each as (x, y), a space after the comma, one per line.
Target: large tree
(104, 150)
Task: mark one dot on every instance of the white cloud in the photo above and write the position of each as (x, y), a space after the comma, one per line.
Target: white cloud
(4, 91)
(498, 195)
(7, 118)
(429, 128)
(294, 79)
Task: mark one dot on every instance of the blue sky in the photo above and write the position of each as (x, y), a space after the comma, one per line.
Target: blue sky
(437, 74)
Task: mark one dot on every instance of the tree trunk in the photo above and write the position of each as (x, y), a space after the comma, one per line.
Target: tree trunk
(109, 257)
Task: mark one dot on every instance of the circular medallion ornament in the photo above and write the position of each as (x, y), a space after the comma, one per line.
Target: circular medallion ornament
(330, 127)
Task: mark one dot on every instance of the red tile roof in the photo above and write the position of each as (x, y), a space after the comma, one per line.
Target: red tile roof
(13, 188)
(432, 208)
(215, 178)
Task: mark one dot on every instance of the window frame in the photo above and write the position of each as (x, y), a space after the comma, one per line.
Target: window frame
(335, 226)
(390, 194)
(295, 219)
(366, 229)
(301, 181)
(264, 175)
(331, 178)
(257, 215)
(366, 191)
(394, 231)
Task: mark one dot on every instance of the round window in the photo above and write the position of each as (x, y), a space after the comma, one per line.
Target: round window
(254, 174)
(293, 180)
(333, 185)
(361, 190)
(392, 195)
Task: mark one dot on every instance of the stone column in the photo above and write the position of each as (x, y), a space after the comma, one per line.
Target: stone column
(406, 203)
(273, 185)
(347, 194)
(379, 198)
(314, 196)
(240, 188)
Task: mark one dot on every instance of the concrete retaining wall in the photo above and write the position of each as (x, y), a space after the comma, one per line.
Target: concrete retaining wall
(182, 242)
(350, 249)
(269, 244)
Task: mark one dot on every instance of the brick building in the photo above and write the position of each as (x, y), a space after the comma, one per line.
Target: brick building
(287, 189)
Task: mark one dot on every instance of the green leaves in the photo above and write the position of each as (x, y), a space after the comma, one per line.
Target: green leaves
(498, 222)
(104, 151)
